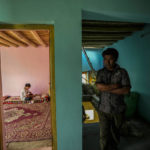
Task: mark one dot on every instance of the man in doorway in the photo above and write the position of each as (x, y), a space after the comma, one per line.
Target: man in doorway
(113, 83)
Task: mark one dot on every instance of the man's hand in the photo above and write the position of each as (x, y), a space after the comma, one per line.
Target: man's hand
(104, 87)
(115, 86)
(121, 91)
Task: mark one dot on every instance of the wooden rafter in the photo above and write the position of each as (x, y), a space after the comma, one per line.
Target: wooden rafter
(21, 37)
(111, 29)
(11, 39)
(109, 23)
(98, 43)
(101, 38)
(108, 34)
(2, 44)
(26, 38)
(38, 38)
(7, 42)
(104, 33)
(94, 46)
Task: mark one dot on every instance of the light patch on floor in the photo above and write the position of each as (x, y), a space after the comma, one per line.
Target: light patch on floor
(34, 145)
(44, 148)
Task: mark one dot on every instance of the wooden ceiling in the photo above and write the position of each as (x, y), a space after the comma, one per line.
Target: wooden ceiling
(99, 34)
(24, 38)
(95, 34)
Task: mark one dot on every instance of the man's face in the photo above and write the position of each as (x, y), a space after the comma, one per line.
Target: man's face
(109, 62)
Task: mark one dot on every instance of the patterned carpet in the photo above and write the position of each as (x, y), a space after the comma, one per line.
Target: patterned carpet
(34, 145)
(27, 122)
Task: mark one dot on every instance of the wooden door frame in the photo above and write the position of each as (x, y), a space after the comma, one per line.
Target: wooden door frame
(52, 74)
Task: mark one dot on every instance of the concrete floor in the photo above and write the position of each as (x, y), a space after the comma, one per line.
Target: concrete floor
(130, 142)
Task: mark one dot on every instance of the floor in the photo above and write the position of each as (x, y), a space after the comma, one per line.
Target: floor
(138, 139)
(34, 145)
(138, 136)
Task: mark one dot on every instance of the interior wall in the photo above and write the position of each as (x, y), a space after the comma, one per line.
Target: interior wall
(95, 58)
(129, 10)
(66, 17)
(134, 52)
(24, 65)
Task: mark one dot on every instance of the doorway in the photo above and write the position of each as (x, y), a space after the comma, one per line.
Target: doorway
(31, 37)
(97, 36)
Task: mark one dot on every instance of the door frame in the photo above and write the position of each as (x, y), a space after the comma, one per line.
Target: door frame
(52, 75)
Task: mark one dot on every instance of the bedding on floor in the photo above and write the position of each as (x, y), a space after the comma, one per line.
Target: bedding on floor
(17, 100)
(27, 122)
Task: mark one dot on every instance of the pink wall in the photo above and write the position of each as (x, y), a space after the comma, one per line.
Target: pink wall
(24, 65)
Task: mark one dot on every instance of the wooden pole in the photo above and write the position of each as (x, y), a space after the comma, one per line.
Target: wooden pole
(88, 60)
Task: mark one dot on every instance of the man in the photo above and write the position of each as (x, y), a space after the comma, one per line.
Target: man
(25, 94)
(113, 83)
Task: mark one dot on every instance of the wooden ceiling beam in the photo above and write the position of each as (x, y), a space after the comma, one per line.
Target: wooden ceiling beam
(96, 41)
(4, 45)
(94, 46)
(38, 38)
(105, 23)
(90, 46)
(7, 42)
(91, 43)
(21, 37)
(108, 34)
(11, 39)
(111, 29)
(100, 34)
(102, 38)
